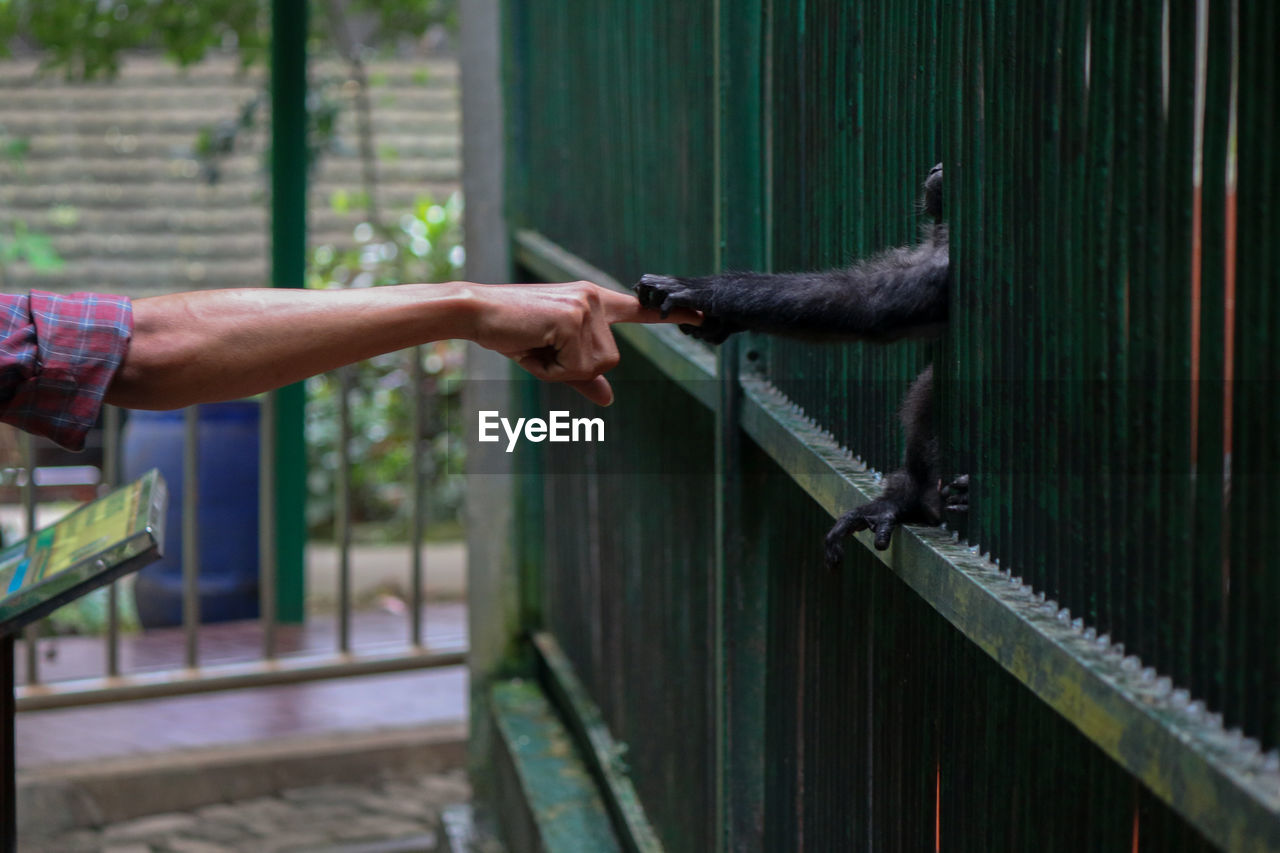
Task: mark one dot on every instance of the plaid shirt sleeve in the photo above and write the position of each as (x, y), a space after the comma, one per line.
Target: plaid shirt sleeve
(58, 354)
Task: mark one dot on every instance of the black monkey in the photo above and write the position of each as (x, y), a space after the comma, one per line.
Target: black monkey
(900, 293)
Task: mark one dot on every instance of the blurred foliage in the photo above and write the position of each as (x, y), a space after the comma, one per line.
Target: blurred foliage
(423, 246)
(84, 39)
(394, 19)
(18, 243)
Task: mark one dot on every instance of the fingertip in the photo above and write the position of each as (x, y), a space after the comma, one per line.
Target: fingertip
(596, 390)
(627, 308)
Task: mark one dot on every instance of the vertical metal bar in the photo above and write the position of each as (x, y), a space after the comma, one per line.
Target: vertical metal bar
(110, 480)
(288, 269)
(343, 510)
(8, 758)
(417, 522)
(191, 533)
(30, 636)
(267, 524)
(739, 584)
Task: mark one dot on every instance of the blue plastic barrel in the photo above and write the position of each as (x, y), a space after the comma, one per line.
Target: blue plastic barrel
(227, 510)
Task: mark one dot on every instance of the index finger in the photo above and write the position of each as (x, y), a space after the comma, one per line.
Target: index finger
(622, 307)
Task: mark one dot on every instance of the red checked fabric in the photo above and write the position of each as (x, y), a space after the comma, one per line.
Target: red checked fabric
(58, 354)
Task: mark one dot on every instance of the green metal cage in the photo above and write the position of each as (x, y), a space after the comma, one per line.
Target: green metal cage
(1093, 662)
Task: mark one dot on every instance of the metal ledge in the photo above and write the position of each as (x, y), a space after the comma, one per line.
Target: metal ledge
(291, 669)
(603, 754)
(1217, 780)
(564, 811)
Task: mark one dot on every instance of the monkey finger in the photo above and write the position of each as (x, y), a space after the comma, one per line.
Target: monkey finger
(645, 307)
(650, 289)
(673, 302)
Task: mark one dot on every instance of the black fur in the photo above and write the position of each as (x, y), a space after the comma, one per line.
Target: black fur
(913, 493)
(900, 293)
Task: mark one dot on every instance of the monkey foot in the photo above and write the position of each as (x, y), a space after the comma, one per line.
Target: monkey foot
(880, 517)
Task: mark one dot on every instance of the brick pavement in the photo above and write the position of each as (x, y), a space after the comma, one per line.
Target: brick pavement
(379, 817)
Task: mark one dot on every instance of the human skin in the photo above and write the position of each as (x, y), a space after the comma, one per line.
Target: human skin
(205, 346)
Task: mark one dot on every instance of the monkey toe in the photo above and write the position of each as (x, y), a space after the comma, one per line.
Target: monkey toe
(835, 538)
(955, 495)
(884, 533)
(834, 553)
(878, 516)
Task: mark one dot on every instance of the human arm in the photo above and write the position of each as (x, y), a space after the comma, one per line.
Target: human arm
(204, 346)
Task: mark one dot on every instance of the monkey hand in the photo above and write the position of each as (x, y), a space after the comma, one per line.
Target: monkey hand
(666, 293)
(880, 516)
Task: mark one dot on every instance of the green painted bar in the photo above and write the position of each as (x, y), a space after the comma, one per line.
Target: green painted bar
(1256, 455)
(740, 640)
(288, 269)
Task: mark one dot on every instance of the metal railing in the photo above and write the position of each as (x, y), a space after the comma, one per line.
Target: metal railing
(272, 667)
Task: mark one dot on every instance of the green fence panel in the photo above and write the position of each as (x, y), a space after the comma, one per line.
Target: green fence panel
(1102, 354)
(1107, 381)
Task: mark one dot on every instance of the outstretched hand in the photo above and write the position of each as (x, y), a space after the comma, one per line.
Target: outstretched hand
(562, 332)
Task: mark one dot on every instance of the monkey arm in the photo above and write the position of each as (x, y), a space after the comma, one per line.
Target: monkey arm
(899, 293)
